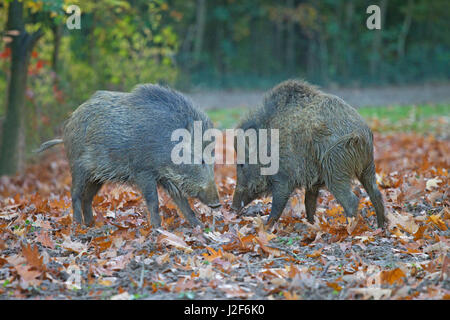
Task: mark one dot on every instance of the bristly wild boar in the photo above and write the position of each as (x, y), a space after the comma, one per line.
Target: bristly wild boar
(126, 138)
(322, 142)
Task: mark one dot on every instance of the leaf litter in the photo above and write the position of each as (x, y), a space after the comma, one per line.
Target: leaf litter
(43, 255)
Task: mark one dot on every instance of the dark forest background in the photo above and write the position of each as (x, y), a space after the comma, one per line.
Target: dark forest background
(47, 70)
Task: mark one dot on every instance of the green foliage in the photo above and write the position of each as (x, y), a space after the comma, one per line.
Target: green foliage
(244, 44)
(251, 43)
(120, 44)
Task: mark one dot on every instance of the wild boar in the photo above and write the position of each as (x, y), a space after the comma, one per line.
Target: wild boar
(126, 138)
(323, 141)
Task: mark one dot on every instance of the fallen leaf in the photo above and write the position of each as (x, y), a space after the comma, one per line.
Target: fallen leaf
(436, 219)
(315, 254)
(404, 221)
(375, 293)
(122, 296)
(235, 291)
(32, 256)
(175, 240)
(28, 276)
(334, 285)
(44, 238)
(433, 183)
(392, 276)
(164, 258)
(75, 246)
(213, 254)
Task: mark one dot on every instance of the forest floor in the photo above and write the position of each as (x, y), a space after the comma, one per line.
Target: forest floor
(44, 256)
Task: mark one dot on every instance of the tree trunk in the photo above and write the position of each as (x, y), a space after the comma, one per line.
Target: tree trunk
(310, 58)
(405, 30)
(199, 30)
(349, 13)
(290, 39)
(278, 43)
(323, 49)
(13, 137)
(57, 33)
(376, 44)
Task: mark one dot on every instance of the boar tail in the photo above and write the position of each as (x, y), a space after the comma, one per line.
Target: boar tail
(48, 144)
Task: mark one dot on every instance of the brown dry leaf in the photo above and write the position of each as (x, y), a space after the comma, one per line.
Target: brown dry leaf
(105, 282)
(420, 232)
(213, 254)
(164, 258)
(263, 239)
(184, 284)
(119, 262)
(75, 246)
(315, 254)
(403, 221)
(436, 219)
(28, 276)
(245, 243)
(174, 240)
(392, 276)
(291, 296)
(33, 257)
(229, 256)
(44, 238)
(334, 285)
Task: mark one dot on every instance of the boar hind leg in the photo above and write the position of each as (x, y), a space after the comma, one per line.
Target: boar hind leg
(368, 181)
(78, 185)
(183, 204)
(150, 192)
(90, 191)
(311, 203)
(280, 195)
(342, 191)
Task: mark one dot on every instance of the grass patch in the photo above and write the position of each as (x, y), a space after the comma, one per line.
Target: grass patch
(226, 118)
(420, 118)
(417, 118)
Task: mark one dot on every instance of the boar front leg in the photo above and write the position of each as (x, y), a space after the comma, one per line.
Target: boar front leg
(311, 203)
(280, 195)
(150, 192)
(89, 193)
(342, 191)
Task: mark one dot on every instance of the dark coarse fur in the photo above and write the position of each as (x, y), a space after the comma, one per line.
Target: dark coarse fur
(322, 142)
(126, 138)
